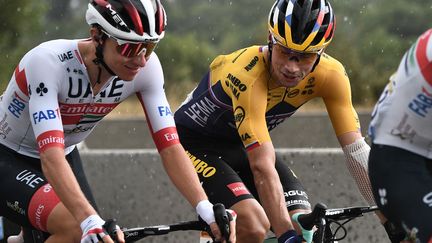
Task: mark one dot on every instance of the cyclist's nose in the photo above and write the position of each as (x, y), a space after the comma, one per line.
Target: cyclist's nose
(292, 64)
(139, 60)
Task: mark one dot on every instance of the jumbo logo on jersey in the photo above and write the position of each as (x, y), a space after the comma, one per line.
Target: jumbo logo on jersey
(252, 64)
(235, 85)
(201, 167)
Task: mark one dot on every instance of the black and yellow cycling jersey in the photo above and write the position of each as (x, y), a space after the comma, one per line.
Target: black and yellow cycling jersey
(233, 101)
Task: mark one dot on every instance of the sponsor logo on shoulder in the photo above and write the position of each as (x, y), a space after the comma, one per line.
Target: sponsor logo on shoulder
(251, 64)
(235, 85)
(421, 104)
(65, 56)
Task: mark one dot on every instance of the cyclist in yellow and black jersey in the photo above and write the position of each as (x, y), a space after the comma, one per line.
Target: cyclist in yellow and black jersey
(224, 123)
(240, 100)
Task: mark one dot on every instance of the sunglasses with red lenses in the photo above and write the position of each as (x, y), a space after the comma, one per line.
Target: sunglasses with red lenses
(133, 49)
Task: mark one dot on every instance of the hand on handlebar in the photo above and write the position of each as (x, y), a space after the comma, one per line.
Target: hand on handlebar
(224, 229)
(220, 220)
(306, 234)
(95, 229)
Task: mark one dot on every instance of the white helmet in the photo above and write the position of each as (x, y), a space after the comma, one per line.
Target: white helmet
(129, 20)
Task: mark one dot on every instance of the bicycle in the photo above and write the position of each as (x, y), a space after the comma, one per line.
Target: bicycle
(324, 220)
(134, 234)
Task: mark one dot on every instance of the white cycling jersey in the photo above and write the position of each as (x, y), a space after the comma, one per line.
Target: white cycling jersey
(403, 115)
(49, 100)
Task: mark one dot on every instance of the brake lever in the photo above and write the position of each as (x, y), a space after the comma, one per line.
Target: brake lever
(222, 220)
(110, 228)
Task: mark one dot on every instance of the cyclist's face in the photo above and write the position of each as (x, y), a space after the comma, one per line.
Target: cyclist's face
(125, 67)
(290, 67)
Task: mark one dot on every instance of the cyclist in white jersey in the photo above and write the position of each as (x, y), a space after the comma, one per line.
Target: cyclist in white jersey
(58, 93)
(400, 162)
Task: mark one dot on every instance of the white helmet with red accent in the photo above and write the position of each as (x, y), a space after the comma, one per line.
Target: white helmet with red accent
(129, 20)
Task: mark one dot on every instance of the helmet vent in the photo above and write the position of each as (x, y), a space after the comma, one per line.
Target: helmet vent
(281, 17)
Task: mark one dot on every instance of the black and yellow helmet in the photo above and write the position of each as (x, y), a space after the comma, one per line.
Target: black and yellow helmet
(302, 25)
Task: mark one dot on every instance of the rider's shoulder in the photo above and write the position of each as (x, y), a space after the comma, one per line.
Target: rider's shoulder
(330, 64)
(57, 50)
(245, 60)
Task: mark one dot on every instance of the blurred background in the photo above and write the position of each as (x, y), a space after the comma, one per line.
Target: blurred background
(371, 36)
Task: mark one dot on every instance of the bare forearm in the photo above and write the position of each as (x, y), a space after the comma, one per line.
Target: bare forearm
(272, 199)
(182, 173)
(267, 182)
(59, 174)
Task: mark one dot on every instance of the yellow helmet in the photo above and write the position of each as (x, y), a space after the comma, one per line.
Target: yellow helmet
(302, 25)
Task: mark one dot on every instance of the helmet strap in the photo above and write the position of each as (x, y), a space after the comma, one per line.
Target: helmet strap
(316, 62)
(270, 49)
(99, 60)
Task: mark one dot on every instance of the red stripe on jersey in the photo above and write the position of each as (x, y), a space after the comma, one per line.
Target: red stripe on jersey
(252, 146)
(72, 113)
(86, 108)
(426, 92)
(21, 80)
(71, 120)
(145, 111)
(41, 204)
(166, 137)
(425, 64)
(18, 97)
(163, 138)
(53, 138)
(78, 56)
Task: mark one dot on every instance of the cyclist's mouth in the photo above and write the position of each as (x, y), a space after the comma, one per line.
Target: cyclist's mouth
(133, 69)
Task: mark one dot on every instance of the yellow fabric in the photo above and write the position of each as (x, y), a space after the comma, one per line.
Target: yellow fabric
(244, 77)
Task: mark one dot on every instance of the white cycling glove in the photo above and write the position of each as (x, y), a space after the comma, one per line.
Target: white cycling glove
(205, 210)
(92, 228)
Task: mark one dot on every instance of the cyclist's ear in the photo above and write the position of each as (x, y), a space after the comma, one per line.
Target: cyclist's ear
(96, 34)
